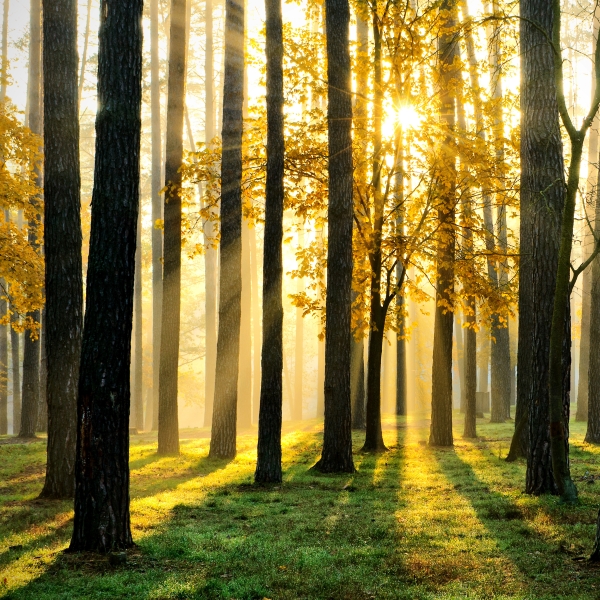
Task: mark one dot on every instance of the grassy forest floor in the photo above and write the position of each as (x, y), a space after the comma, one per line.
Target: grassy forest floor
(415, 523)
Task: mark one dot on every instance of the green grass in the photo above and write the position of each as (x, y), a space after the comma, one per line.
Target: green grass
(412, 523)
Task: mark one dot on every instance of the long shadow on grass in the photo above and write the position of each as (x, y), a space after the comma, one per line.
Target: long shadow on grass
(505, 521)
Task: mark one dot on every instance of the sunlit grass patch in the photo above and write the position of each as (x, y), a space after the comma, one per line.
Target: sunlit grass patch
(415, 522)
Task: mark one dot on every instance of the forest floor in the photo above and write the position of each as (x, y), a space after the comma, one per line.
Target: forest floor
(414, 523)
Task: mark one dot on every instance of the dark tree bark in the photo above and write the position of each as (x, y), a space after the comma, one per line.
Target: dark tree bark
(223, 438)
(542, 201)
(31, 346)
(157, 213)
(268, 466)
(101, 521)
(168, 420)
(244, 409)
(595, 556)
(441, 392)
(337, 441)
(470, 430)
(62, 242)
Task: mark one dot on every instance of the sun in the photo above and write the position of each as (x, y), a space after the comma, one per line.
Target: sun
(406, 117)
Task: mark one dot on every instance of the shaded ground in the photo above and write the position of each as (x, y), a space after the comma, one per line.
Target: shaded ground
(414, 523)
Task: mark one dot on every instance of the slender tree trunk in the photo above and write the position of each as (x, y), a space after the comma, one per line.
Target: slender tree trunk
(102, 522)
(299, 346)
(244, 410)
(337, 440)
(15, 354)
(62, 242)
(223, 438)
(441, 393)
(137, 400)
(358, 384)
(31, 346)
(256, 327)
(157, 235)
(3, 366)
(542, 200)
(470, 430)
(460, 358)
(374, 435)
(268, 466)
(42, 423)
(168, 421)
(588, 245)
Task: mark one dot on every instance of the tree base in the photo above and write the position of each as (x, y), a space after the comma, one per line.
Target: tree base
(333, 467)
(569, 495)
(374, 448)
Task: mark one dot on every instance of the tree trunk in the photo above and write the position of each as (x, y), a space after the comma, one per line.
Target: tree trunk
(542, 200)
(157, 234)
(86, 39)
(62, 242)
(101, 522)
(244, 410)
(460, 359)
(137, 400)
(15, 354)
(357, 384)
(441, 392)
(299, 346)
(31, 347)
(256, 328)
(374, 435)
(3, 367)
(168, 421)
(268, 466)
(588, 245)
(42, 424)
(470, 371)
(223, 437)
(337, 440)
(595, 556)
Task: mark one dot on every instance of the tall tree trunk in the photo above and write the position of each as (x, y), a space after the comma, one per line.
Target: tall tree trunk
(441, 392)
(500, 350)
(460, 359)
(357, 384)
(268, 466)
(168, 421)
(374, 435)
(337, 440)
(137, 400)
(157, 235)
(31, 346)
(15, 354)
(223, 436)
(62, 242)
(588, 245)
(542, 200)
(102, 521)
(470, 430)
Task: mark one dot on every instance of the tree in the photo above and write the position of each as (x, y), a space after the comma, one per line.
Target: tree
(542, 201)
(157, 241)
(137, 402)
(31, 349)
(101, 521)
(268, 466)
(62, 242)
(223, 438)
(337, 440)
(592, 435)
(441, 393)
(168, 424)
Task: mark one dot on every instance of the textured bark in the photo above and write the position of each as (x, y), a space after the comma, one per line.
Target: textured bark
(101, 522)
(62, 242)
(470, 371)
(268, 466)
(374, 435)
(542, 200)
(136, 419)
(31, 347)
(460, 360)
(299, 348)
(441, 392)
(157, 239)
(168, 421)
(256, 328)
(223, 437)
(337, 440)
(357, 384)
